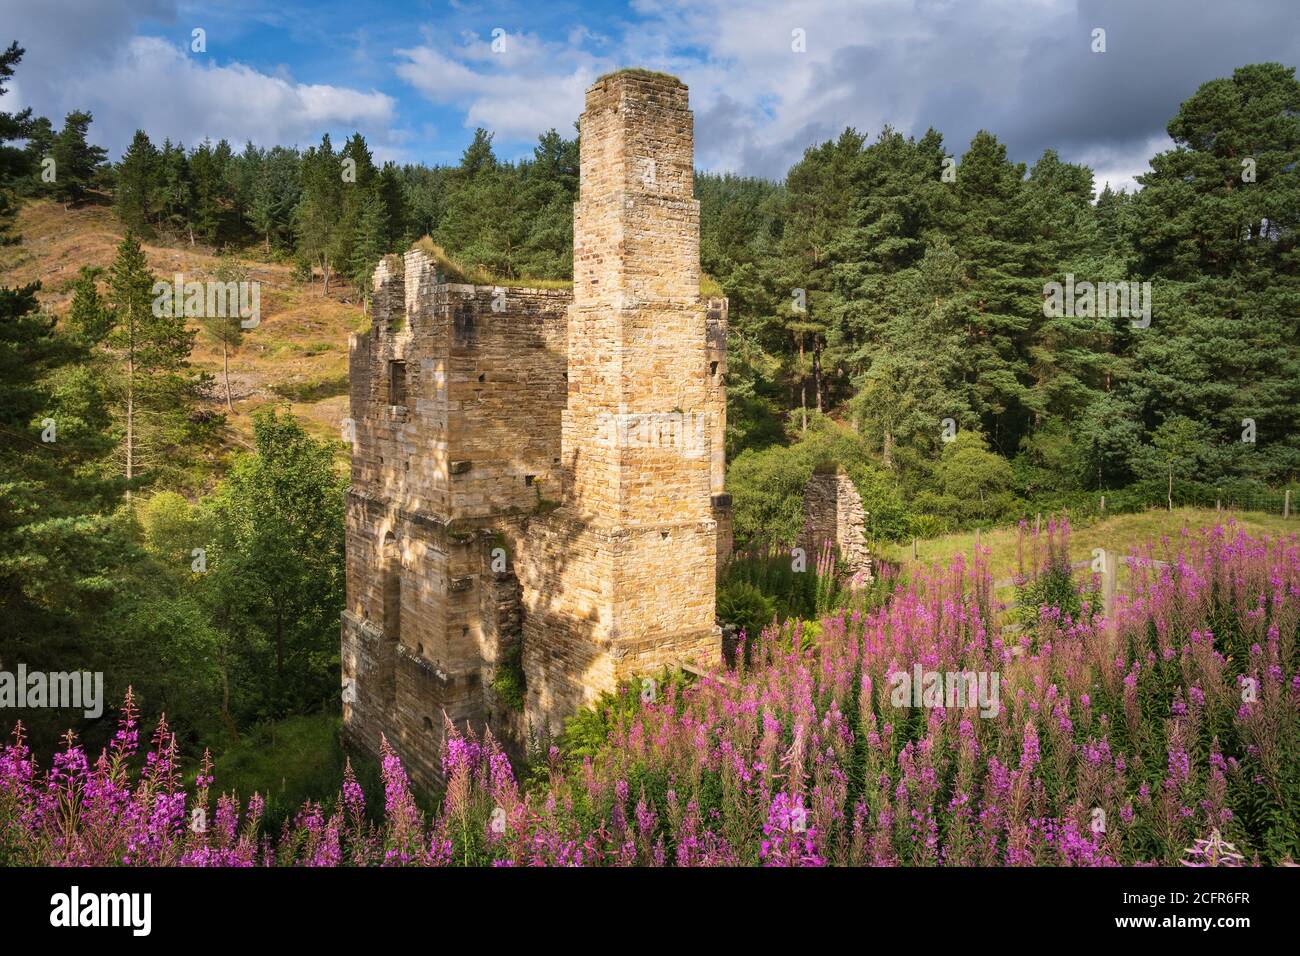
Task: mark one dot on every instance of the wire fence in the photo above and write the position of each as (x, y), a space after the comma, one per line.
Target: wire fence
(1279, 502)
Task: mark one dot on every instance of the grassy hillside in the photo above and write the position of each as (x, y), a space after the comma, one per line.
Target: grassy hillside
(1118, 533)
(297, 357)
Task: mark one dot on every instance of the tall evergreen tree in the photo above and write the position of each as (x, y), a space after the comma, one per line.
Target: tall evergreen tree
(1215, 228)
(317, 213)
(157, 387)
(137, 176)
(14, 162)
(276, 193)
(173, 196)
(77, 161)
(207, 168)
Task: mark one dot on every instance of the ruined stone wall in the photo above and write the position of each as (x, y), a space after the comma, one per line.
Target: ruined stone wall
(833, 511)
(716, 357)
(620, 579)
(456, 395)
(540, 471)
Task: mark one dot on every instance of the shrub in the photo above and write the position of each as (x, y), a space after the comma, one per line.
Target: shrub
(745, 607)
(509, 684)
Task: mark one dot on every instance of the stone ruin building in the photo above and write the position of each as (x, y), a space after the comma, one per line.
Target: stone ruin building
(833, 513)
(537, 475)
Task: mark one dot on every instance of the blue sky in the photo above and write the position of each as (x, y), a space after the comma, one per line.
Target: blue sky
(417, 76)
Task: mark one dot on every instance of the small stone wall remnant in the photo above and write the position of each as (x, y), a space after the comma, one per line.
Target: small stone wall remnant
(833, 511)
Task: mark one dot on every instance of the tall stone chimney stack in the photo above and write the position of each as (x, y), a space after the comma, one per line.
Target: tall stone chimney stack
(619, 579)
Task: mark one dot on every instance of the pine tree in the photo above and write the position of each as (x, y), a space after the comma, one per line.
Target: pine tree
(60, 548)
(226, 330)
(39, 150)
(474, 225)
(242, 173)
(317, 213)
(1215, 228)
(369, 241)
(173, 196)
(358, 177)
(276, 192)
(154, 347)
(207, 168)
(137, 175)
(14, 162)
(394, 199)
(818, 205)
(898, 198)
(76, 162)
(89, 318)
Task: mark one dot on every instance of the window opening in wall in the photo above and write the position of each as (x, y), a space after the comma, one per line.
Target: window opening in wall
(396, 383)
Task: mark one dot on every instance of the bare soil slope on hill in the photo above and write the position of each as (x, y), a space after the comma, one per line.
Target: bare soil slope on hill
(296, 358)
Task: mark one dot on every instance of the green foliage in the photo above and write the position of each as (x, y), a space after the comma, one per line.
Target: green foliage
(15, 163)
(511, 220)
(88, 317)
(974, 482)
(509, 684)
(767, 485)
(925, 302)
(745, 607)
(767, 494)
(134, 191)
(586, 732)
(277, 569)
(287, 761)
(154, 387)
(788, 584)
(77, 163)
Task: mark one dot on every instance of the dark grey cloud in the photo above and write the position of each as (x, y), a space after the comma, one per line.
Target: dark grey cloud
(1024, 71)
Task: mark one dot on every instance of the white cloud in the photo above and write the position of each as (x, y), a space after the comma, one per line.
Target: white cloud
(759, 101)
(145, 82)
(526, 88)
(1023, 69)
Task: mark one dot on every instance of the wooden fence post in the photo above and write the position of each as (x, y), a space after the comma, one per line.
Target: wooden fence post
(977, 538)
(1103, 506)
(1109, 585)
(913, 549)
(1038, 522)
(1286, 504)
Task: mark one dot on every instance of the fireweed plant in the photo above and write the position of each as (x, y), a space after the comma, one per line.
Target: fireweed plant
(1140, 740)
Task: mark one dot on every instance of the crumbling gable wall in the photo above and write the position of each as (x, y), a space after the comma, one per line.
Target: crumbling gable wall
(456, 393)
(833, 512)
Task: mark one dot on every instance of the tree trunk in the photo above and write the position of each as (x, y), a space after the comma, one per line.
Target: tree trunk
(227, 720)
(803, 389)
(817, 369)
(888, 453)
(279, 656)
(225, 370)
(130, 400)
